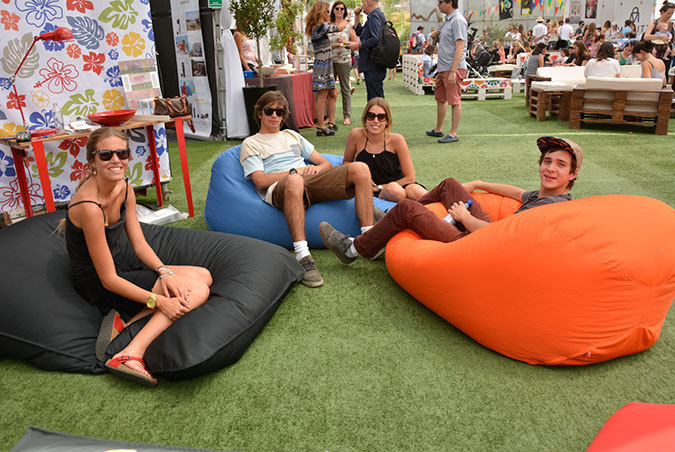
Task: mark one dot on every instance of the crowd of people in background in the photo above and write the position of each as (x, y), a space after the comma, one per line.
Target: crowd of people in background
(603, 47)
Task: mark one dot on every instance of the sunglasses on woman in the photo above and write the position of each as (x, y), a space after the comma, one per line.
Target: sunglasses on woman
(339, 8)
(279, 111)
(380, 116)
(107, 154)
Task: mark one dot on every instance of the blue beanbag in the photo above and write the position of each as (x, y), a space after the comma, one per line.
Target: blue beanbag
(233, 206)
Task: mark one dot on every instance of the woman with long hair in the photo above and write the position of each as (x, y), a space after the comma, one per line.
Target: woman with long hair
(342, 57)
(591, 30)
(604, 64)
(652, 67)
(247, 50)
(516, 48)
(386, 154)
(102, 208)
(660, 33)
(536, 59)
(317, 27)
(581, 55)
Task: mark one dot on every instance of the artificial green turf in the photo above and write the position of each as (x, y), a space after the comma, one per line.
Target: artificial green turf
(359, 364)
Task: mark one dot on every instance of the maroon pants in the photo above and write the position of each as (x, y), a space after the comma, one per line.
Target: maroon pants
(413, 215)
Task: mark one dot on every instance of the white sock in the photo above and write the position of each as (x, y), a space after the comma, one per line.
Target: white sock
(301, 249)
(365, 228)
(351, 252)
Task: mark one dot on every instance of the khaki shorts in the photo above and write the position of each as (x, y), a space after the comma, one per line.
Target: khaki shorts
(445, 92)
(327, 185)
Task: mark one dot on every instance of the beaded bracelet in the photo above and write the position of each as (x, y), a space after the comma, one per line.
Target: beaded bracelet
(167, 273)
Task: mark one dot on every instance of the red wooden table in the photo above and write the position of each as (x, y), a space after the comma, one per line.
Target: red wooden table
(19, 151)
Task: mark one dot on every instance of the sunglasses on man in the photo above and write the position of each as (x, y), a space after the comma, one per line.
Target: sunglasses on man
(281, 112)
(107, 154)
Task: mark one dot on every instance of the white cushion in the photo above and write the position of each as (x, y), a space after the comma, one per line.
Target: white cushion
(566, 74)
(552, 86)
(501, 67)
(624, 84)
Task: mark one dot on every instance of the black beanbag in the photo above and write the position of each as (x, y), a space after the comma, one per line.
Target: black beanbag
(44, 321)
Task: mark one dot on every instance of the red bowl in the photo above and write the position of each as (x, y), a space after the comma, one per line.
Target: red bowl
(112, 118)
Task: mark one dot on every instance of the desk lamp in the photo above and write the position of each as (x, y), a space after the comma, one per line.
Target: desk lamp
(59, 34)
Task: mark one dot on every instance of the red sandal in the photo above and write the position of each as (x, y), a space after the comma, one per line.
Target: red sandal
(118, 367)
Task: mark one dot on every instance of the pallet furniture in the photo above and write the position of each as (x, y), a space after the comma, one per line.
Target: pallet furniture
(622, 101)
(517, 85)
(483, 88)
(501, 70)
(413, 74)
(552, 98)
(571, 75)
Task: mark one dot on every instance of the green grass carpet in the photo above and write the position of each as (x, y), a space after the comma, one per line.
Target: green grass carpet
(358, 364)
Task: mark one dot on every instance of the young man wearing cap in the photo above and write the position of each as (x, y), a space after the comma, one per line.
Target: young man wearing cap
(274, 160)
(559, 166)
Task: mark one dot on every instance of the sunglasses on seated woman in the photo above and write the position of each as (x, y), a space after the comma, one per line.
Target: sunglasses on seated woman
(106, 154)
(279, 111)
(380, 116)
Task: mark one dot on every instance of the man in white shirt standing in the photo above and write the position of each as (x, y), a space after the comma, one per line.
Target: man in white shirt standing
(539, 32)
(452, 70)
(565, 33)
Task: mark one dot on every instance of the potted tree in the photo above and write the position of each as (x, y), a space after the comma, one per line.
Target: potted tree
(254, 17)
(286, 35)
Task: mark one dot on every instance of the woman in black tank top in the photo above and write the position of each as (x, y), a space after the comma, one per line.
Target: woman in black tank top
(385, 153)
(102, 207)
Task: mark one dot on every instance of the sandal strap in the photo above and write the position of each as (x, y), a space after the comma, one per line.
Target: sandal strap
(124, 358)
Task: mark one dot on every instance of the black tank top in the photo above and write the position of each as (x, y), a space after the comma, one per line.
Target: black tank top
(81, 265)
(384, 167)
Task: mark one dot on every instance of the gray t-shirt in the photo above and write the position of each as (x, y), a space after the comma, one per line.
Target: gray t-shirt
(454, 28)
(531, 199)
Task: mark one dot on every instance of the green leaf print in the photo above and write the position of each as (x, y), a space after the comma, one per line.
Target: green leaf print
(121, 13)
(81, 105)
(55, 163)
(135, 174)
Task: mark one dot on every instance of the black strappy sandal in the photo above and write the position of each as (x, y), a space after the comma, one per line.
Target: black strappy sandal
(325, 132)
(332, 126)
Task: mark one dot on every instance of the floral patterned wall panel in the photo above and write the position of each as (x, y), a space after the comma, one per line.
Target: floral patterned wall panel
(70, 78)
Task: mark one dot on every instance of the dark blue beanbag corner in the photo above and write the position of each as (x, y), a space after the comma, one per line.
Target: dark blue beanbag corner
(44, 321)
(233, 206)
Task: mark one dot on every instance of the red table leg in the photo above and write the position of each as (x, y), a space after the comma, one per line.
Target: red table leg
(20, 168)
(180, 138)
(43, 173)
(154, 160)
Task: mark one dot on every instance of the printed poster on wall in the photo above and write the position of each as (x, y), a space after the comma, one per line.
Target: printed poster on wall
(526, 7)
(505, 9)
(191, 62)
(69, 79)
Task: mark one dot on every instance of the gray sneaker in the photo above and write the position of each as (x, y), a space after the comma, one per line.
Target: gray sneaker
(312, 276)
(449, 139)
(336, 241)
(378, 214)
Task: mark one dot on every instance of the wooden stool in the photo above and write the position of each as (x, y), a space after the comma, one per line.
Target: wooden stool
(542, 101)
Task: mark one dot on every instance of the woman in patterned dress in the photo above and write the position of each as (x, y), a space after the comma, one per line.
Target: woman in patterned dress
(317, 27)
(342, 57)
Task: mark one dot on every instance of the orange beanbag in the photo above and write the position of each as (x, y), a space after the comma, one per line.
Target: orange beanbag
(572, 283)
(637, 427)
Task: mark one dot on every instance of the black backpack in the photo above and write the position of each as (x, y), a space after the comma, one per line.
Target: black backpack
(388, 48)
